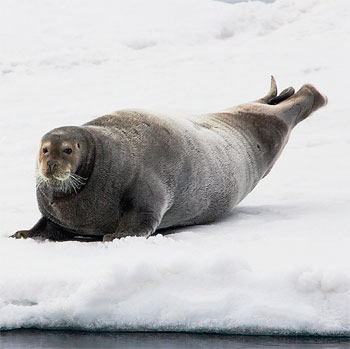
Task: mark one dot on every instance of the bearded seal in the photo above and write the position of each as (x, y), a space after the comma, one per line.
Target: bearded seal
(131, 172)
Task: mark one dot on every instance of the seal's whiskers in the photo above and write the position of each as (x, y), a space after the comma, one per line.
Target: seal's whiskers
(72, 183)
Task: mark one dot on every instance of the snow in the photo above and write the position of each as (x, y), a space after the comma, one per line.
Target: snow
(279, 263)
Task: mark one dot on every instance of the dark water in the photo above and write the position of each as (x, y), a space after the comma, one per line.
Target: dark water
(67, 339)
(237, 1)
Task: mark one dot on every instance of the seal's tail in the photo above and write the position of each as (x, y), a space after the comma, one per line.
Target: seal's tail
(294, 107)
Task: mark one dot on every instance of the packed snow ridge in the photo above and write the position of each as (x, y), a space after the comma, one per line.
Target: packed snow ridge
(279, 264)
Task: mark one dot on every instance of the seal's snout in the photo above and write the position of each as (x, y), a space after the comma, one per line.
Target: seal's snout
(51, 166)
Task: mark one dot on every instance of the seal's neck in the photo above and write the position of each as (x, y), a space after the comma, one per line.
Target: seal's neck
(86, 167)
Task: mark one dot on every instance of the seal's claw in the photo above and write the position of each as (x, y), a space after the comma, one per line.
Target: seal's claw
(108, 237)
(22, 234)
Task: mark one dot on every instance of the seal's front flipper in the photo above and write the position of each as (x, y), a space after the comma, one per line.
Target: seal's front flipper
(44, 229)
(143, 208)
(22, 234)
(135, 223)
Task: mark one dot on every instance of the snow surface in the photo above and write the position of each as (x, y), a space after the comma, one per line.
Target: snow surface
(279, 263)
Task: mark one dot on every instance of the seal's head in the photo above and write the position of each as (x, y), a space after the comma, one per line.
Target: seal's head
(62, 153)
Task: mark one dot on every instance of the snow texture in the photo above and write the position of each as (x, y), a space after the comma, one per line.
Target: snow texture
(280, 263)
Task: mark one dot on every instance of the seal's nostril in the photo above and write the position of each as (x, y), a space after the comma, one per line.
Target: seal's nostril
(51, 165)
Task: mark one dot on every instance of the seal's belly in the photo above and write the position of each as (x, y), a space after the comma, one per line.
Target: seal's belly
(223, 170)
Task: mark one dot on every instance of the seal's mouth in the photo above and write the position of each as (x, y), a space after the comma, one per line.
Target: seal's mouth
(60, 181)
(57, 176)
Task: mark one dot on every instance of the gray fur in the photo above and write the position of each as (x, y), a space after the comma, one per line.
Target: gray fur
(145, 172)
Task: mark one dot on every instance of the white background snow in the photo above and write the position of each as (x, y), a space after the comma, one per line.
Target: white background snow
(280, 263)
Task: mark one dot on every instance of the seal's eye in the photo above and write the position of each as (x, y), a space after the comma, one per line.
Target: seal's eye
(68, 150)
(45, 150)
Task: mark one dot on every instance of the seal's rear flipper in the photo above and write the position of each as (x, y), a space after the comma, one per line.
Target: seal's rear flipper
(285, 94)
(272, 93)
(301, 105)
(272, 98)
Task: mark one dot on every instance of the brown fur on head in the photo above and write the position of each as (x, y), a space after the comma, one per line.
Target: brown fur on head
(59, 158)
